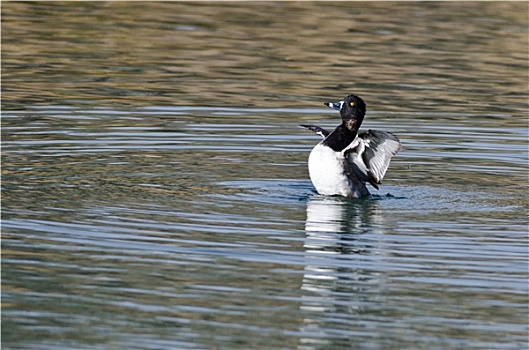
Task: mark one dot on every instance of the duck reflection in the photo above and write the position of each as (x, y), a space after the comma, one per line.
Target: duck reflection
(339, 281)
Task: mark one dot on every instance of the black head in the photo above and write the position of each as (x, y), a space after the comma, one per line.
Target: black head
(352, 110)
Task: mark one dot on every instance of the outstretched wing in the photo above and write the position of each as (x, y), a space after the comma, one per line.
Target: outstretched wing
(318, 130)
(370, 154)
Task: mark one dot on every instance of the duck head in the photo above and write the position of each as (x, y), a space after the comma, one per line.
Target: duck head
(352, 110)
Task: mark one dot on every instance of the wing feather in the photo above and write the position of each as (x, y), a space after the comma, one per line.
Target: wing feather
(370, 154)
(317, 129)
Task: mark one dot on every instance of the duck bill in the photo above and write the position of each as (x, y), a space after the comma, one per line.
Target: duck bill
(334, 105)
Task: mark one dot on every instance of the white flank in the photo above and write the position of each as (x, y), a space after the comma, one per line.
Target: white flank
(327, 172)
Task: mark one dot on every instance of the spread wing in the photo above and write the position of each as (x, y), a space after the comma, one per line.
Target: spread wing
(318, 130)
(370, 154)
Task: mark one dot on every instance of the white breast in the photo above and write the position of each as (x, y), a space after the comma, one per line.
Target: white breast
(327, 172)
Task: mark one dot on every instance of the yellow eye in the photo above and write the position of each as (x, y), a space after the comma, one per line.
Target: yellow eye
(352, 104)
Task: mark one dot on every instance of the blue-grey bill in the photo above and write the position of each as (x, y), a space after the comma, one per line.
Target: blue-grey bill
(334, 105)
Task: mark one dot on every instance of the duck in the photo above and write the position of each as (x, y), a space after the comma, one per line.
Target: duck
(345, 161)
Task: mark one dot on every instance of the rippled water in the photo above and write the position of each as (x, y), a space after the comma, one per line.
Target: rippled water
(155, 191)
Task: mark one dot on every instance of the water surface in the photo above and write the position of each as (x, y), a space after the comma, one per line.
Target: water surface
(155, 191)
